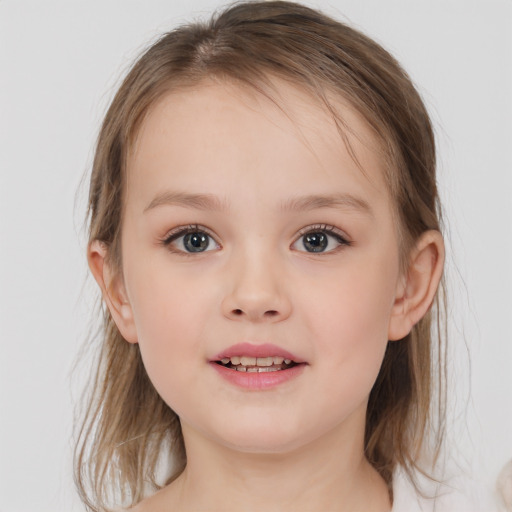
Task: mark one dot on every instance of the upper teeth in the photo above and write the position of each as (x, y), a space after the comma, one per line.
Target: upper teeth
(255, 361)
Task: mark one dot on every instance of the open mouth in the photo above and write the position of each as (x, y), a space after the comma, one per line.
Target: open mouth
(256, 364)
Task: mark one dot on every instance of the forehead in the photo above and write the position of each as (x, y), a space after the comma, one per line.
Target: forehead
(213, 135)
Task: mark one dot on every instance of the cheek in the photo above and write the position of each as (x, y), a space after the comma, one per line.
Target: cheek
(167, 299)
(349, 317)
(171, 316)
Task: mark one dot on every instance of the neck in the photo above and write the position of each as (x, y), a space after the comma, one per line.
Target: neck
(328, 474)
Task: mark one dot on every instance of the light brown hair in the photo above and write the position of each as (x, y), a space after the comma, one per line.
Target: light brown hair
(127, 427)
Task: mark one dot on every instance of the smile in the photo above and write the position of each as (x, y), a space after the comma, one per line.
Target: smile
(257, 367)
(256, 364)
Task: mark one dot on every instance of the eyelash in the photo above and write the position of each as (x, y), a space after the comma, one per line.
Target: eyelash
(182, 231)
(328, 230)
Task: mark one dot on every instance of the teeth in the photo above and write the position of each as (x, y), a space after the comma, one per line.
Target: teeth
(256, 369)
(255, 364)
(265, 361)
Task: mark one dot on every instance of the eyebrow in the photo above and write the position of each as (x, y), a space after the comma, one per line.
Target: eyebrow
(337, 201)
(210, 202)
(197, 201)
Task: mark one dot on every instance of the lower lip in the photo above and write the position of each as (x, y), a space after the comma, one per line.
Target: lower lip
(258, 380)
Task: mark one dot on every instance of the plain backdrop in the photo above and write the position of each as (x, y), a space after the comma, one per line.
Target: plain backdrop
(59, 64)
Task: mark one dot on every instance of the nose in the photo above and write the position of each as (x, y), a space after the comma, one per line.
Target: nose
(256, 291)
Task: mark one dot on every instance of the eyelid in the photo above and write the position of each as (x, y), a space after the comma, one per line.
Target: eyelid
(329, 229)
(183, 230)
(180, 231)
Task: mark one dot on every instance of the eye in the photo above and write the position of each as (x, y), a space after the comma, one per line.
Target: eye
(191, 239)
(318, 239)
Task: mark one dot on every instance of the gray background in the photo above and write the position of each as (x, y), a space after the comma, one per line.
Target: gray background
(59, 64)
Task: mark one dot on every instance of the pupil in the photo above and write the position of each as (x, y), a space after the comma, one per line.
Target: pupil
(315, 242)
(196, 242)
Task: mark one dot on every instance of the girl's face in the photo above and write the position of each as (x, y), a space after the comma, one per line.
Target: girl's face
(250, 232)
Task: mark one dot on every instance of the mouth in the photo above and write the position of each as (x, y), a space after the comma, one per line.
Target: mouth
(257, 367)
(251, 364)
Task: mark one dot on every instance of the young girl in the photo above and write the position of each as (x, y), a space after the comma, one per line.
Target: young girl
(264, 228)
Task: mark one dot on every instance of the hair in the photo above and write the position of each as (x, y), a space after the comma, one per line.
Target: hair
(127, 429)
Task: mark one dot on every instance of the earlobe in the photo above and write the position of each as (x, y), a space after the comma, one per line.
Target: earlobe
(112, 289)
(418, 288)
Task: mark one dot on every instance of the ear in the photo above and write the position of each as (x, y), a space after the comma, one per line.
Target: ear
(112, 289)
(418, 287)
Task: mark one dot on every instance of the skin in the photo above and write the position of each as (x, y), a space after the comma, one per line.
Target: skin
(298, 446)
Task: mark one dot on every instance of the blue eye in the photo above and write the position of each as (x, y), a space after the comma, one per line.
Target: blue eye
(190, 240)
(319, 239)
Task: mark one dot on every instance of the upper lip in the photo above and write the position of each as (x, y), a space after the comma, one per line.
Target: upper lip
(257, 350)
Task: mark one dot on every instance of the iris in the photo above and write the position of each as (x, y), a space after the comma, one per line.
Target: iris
(315, 242)
(196, 242)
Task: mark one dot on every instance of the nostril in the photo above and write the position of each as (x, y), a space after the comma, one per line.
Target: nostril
(269, 314)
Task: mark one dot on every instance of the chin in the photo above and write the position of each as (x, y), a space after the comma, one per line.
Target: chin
(269, 440)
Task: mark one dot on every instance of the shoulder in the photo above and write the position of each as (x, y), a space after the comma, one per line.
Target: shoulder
(164, 499)
(458, 494)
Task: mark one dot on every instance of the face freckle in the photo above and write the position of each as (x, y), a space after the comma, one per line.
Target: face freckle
(221, 164)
